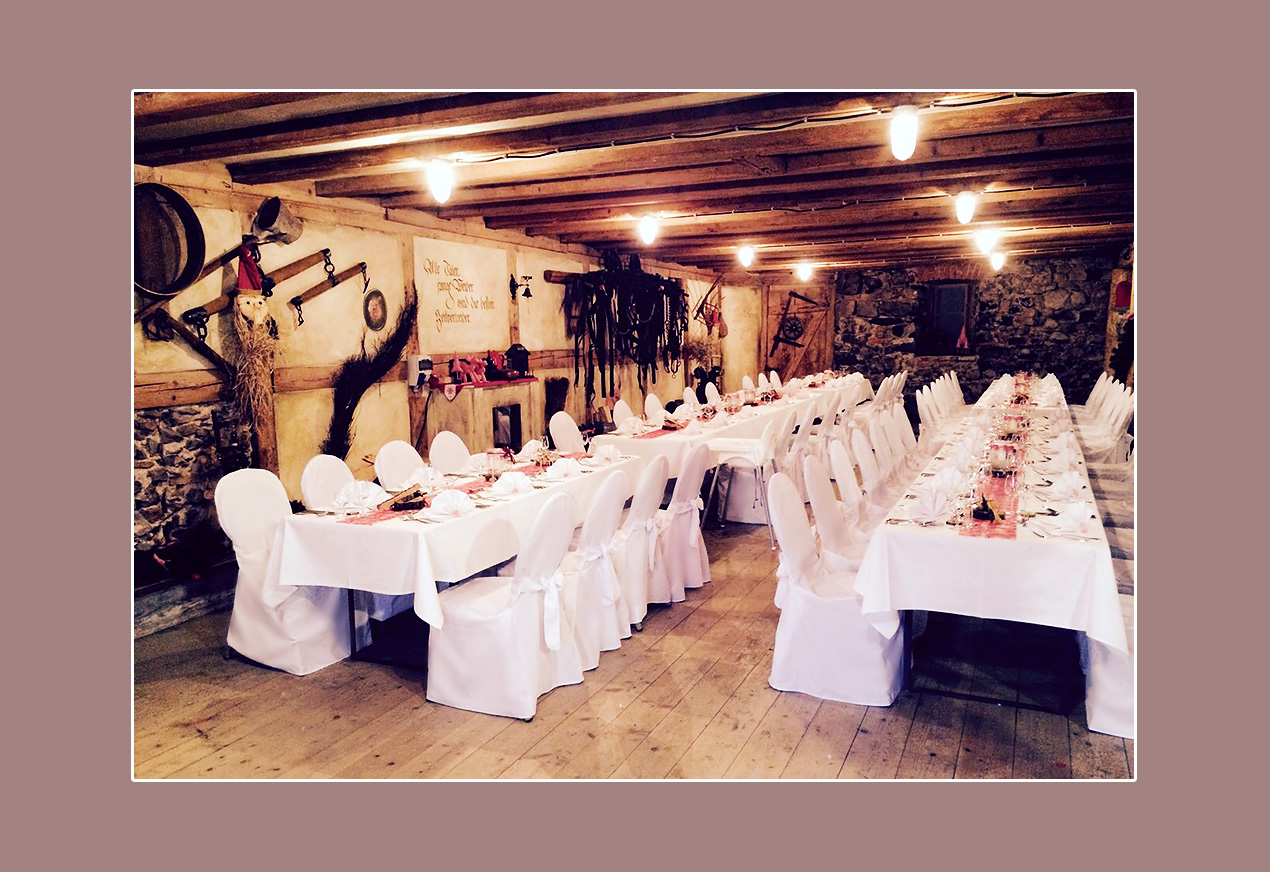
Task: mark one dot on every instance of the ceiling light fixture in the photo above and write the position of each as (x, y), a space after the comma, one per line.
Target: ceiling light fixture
(440, 179)
(903, 132)
(966, 202)
(997, 259)
(803, 271)
(746, 255)
(986, 239)
(648, 229)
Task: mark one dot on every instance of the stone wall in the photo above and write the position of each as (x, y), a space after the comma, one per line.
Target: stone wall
(1040, 314)
(179, 453)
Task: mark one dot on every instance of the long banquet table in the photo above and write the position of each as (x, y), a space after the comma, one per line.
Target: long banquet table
(748, 423)
(1011, 572)
(396, 555)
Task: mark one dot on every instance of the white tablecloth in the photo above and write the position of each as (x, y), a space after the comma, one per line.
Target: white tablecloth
(1051, 581)
(400, 556)
(745, 424)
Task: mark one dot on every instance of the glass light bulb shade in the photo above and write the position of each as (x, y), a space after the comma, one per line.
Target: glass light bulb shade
(986, 239)
(966, 202)
(803, 271)
(648, 229)
(903, 132)
(746, 255)
(997, 259)
(440, 180)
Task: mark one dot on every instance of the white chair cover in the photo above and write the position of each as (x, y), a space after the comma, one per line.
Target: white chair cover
(681, 546)
(621, 412)
(565, 434)
(309, 629)
(872, 481)
(713, 397)
(840, 548)
(506, 641)
(824, 647)
(395, 463)
(592, 589)
(654, 411)
(635, 552)
(448, 453)
(1109, 682)
(322, 479)
(860, 513)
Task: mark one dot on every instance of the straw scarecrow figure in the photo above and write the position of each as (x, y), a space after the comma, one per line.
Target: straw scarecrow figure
(257, 334)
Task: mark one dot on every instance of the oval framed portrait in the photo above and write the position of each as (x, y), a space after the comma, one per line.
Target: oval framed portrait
(375, 310)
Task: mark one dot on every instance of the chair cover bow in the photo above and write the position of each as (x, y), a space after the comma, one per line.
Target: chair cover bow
(550, 586)
(602, 551)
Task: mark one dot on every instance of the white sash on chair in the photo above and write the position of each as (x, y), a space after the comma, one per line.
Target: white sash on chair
(549, 585)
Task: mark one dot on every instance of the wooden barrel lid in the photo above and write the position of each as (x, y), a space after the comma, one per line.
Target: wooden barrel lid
(168, 244)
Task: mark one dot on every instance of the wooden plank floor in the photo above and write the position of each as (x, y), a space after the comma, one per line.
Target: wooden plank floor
(686, 698)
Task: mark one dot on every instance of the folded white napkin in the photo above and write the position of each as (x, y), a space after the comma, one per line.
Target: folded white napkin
(632, 426)
(930, 505)
(565, 467)
(1074, 519)
(530, 450)
(359, 496)
(683, 412)
(607, 453)
(513, 482)
(1067, 485)
(1061, 461)
(451, 504)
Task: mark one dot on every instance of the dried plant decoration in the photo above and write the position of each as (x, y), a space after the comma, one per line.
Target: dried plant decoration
(357, 374)
(257, 347)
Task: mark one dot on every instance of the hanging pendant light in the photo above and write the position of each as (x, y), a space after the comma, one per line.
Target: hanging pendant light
(997, 259)
(440, 179)
(986, 239)
(647, 227)
(966, 202)
(903, 132)
(803, 271)
(746, 255)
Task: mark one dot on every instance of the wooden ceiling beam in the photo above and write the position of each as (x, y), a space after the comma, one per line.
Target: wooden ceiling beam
(877, 161)
(428, 117)
(152, 108)
(1093, 168)
(1004, 205)
(898, 252)
(774, 109)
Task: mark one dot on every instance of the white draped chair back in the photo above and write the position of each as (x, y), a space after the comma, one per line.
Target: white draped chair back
(824, 647)
(800, 446)
(904, 427)
(854, 507)
(882, 451)
(592, 589)
(872, 480)
(747, 383)
(690, 398)
(448, 453)
(635, 555)
(321, 480)
(713, 397)
(565, 435)
(654, 411)
(621, 411)
(505, 641)
(682, 547)
(396, 462)
(308, 630)
(840, 548)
